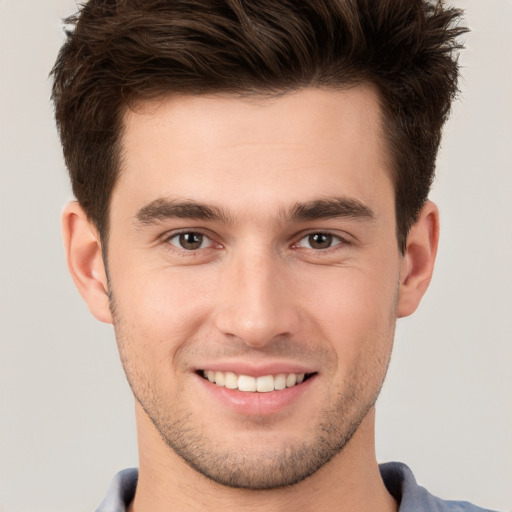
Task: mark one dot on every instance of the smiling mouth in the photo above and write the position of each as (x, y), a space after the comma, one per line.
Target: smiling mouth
(248, 384)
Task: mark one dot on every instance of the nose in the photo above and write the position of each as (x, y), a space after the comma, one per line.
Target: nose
(256, 303)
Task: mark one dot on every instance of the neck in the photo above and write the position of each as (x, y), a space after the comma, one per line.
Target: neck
(350, 481)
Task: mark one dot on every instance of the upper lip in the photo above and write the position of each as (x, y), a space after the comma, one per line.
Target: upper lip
(256, 370)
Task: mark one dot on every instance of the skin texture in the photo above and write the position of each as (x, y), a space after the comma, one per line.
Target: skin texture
(257, 296)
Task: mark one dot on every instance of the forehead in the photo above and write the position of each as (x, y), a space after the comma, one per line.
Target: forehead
(214, 148)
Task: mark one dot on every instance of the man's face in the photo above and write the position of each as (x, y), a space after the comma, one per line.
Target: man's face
(252, 243)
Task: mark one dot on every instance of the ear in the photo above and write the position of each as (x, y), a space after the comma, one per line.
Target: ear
(85, 261)
(418, 261)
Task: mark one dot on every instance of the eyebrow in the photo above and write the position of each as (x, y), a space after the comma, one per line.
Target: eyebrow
(337, 207)
(162, 209)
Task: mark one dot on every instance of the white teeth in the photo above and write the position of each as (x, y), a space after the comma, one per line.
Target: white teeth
(246, 383)
(218, 378)
(230, 380)
(280, 381)
(263, 384)
(291, 380)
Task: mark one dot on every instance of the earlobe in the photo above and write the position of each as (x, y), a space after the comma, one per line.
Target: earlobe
(85, 261)
(418, 261)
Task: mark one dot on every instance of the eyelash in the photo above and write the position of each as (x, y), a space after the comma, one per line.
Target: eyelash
(168, 241)
(333, 238)
(340, 242)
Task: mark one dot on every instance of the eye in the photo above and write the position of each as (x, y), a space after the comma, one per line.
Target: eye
(190, 241)
(319, 241)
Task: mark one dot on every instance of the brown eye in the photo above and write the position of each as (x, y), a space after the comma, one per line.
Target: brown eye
(319, 241)
(189, 241)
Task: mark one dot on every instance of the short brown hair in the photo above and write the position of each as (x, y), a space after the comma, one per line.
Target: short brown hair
(118, 51)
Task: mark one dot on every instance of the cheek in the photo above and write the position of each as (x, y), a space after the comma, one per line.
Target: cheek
(160, 308)
(354, 310)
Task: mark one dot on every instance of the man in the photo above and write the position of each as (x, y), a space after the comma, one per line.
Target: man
(252, 217)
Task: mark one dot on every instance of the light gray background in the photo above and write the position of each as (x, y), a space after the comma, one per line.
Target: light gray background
(66, 421)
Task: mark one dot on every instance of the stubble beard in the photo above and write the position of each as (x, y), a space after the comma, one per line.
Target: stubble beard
(239, 467)
(261, 468)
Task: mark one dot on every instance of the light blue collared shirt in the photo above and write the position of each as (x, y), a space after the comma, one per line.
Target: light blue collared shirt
(397, 477)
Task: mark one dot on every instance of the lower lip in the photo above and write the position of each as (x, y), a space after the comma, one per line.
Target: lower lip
(257, 404)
